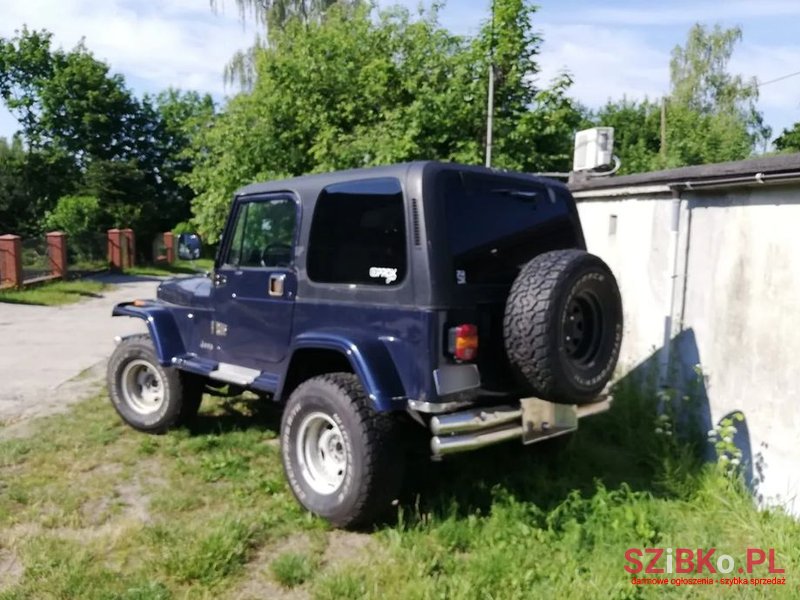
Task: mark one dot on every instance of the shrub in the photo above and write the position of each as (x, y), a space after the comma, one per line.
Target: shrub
(80, 217)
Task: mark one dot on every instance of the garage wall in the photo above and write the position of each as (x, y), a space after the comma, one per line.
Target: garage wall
(735, 308)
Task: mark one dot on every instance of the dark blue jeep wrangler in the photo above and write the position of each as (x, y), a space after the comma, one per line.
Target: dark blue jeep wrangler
(456, 297)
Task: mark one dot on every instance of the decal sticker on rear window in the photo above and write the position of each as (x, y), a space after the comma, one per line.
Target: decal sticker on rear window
(388, 274)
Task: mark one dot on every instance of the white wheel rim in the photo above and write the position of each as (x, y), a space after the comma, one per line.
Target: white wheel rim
(142, 387)
(321, 453)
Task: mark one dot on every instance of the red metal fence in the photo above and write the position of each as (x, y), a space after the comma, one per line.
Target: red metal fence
(55, 255)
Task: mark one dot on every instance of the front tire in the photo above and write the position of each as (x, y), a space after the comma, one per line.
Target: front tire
(340, 456)
(148, 396)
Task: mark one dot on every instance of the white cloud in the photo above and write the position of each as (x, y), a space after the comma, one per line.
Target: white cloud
(610, 51)
(605, 62)
(771, 62)
(609, 62)
(676, 13)
(156, 44)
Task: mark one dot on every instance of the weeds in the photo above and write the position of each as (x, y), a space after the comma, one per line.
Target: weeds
(93, 509)
(292, 569)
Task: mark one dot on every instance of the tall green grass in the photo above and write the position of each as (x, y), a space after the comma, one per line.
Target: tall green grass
(93, 509)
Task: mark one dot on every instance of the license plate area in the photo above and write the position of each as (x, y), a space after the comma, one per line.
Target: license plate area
(542, 420)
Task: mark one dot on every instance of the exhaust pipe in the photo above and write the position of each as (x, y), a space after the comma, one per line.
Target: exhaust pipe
(441, 446)
(474, 420)
(532, 421)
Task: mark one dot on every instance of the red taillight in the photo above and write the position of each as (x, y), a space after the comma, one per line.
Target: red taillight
(463, 342)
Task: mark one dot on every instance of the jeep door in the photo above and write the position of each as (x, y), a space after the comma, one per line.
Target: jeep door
(255, 282)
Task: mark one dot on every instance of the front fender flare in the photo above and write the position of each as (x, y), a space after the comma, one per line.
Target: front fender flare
(371, 362)
(161, 325)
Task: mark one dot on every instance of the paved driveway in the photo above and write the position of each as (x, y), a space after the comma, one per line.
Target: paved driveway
(43, 347)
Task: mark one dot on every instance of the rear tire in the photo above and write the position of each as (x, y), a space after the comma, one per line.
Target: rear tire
(341, 458)
(148, 396)
(563, 326)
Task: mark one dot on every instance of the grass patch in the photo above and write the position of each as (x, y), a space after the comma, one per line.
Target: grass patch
(180, 267)
(55, 293)
(93, 509)
(292, 569)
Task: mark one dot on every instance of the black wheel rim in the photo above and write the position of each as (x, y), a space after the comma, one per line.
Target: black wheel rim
(583, 328)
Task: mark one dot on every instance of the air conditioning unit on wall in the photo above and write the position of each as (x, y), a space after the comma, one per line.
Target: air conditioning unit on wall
(594, 148)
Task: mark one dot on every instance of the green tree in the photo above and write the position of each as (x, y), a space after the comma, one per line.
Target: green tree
(30, 183)
(272, 16)
(636, 132)
(711, 115)
(179, 117)
(13, 191)
(84, 131)
(789, 140)
(701, 83)
(126, 193)
(25, 62)
(74, 115)
(87, 111)
(67, 100)
(360, 88)
(81, 218)
(276, 13)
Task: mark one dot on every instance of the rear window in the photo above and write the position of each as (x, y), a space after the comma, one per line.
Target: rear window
(358, 234)
(496, 223)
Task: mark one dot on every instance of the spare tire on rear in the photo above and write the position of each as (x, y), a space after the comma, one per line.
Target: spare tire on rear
(563, 326)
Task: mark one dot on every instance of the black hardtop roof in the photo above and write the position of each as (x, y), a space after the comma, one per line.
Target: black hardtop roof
(317, 181)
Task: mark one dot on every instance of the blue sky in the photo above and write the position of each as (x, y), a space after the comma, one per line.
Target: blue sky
(612, 48)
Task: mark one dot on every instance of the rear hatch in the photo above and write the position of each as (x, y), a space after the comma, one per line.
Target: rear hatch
(493, 224)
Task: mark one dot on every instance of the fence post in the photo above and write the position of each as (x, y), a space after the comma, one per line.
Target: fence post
(11, 260)
(115, 249)
(57, 251)
(169, 246)
(130, 240)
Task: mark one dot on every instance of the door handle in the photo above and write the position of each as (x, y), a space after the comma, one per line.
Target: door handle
(276, 284)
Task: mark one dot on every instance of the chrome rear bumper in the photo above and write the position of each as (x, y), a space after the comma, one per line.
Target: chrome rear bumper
(531, 421)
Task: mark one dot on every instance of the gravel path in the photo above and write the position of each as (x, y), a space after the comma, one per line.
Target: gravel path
(53, 356)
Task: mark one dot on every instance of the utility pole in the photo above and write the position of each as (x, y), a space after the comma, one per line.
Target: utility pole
(490, 116)
(663, 148)
(490, 101)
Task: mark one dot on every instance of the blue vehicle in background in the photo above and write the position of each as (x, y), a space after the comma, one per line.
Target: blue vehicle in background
(452, 298)
(189, 246)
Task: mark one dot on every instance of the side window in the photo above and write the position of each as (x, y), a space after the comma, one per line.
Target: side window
(264, 234)
(358, 234)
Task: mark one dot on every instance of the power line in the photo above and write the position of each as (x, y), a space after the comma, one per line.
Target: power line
(781, 78)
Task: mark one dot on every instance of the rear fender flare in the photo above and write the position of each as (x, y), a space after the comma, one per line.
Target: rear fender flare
(371, 362)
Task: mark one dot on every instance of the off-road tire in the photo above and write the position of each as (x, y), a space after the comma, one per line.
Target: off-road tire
(375, 462)
(553, 359)
(182, 392)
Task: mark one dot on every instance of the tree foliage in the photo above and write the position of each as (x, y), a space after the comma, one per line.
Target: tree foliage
(271, 16)
(360, 88)
(636, 132)
(789, 140)
(701, 83)
(81, 218)
(711, 115)
(83, 131)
